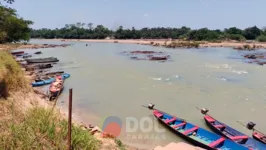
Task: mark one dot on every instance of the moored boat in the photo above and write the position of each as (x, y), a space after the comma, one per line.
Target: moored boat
(194, 134)
(38, 66)
(18, 52)
(26, 56)
(21, 55)
(56, 87)
(231, 133)
(38, 52)
(54, 73)
(42, 60)
(257, 135)
(47, 80)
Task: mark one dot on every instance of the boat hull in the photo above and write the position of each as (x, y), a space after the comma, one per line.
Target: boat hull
(55, 94)
(233, 134)
(259, 137)
(42, 60)
(17, 53)
(49, 81)
(196, 135)
(196, 143)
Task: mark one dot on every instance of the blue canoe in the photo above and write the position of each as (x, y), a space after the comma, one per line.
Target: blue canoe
(233, 134)
(196, 135)
(49, 81)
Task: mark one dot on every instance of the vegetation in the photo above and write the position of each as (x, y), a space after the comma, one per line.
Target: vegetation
(11, 76)
(35, 128)
(39, 128)
(86, 31)
(261, 38)
(186, 44)
(120, 145)
(12, 27)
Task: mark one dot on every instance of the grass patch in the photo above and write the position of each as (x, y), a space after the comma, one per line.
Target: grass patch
(120, 145)
(40, 128)
(11, 76)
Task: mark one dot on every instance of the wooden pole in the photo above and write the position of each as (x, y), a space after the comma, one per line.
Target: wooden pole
(69, 118)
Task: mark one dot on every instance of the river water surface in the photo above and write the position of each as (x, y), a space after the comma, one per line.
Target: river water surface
(106, 83)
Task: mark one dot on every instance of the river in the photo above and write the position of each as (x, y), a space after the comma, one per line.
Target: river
(106, 83)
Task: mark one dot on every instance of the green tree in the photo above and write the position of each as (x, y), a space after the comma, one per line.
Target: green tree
(233, 30)
(9, 1)
(12, 27)
(252, 33)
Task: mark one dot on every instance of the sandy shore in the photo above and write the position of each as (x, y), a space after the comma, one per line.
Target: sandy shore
(161, 42)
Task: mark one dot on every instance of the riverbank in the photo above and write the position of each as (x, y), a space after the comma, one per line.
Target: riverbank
(165, 42)
(29, 46)
(30, 120)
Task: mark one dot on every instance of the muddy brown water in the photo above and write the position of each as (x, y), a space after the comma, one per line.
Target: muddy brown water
(106, 83)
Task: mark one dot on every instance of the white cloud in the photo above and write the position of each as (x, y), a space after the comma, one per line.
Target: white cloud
(146, 15)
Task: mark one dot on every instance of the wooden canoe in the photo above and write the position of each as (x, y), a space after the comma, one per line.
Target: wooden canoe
(196, 135)
(259, 136)
(233, 134)
(42, 60)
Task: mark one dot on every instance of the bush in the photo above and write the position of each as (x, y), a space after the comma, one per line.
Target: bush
(261, 38)
(11, 74)
(237, 37)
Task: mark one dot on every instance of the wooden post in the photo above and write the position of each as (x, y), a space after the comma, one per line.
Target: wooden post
(69, 119)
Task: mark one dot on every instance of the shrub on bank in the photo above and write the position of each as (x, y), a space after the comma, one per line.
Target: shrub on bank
(261, 38)
(11, 76)
(183, 44)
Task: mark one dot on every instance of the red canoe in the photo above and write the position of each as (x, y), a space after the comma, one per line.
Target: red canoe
(18, 52)
(259, 136)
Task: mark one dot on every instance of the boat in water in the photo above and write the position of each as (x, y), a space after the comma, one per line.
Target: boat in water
(17, 52)
(54, 73)
(42, 60)
(231, 133)
(47, 80)
(38, 52)
(38, 66)
(56, 87)
(26, 56)
(195, 134)
(257, 135)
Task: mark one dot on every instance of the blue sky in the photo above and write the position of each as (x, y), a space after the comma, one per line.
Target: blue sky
(214, 14)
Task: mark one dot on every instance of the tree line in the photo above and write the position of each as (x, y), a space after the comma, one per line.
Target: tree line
(87, 31)
(12, 27)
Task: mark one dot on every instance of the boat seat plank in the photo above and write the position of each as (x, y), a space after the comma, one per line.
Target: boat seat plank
(219, 126)
(191, 130)
(157, 114)
(210, 119)
(217, 142)
(170, 120)
(244, 137)
(179, 125)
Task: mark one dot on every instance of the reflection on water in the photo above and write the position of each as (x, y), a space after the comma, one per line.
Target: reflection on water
(108, 84)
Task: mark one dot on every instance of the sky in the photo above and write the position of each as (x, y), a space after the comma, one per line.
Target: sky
(213, 14)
